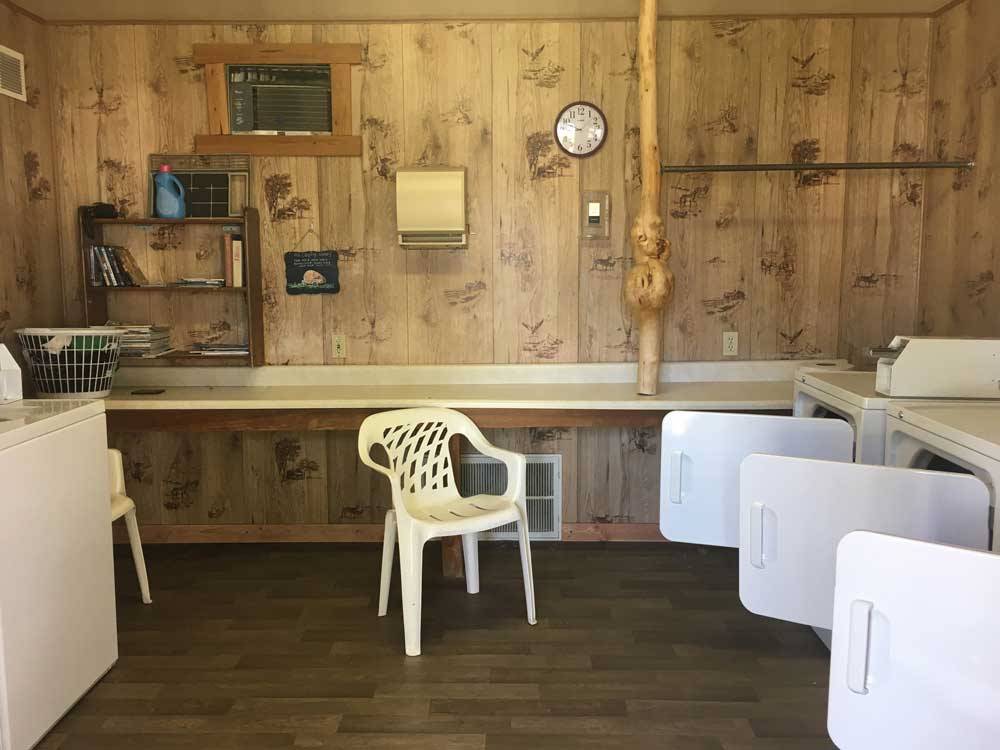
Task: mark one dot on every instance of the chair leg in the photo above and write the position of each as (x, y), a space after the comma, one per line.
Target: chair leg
(470, 547)
(411, 568)
(388, 552)
(529, 578)
(135, 542)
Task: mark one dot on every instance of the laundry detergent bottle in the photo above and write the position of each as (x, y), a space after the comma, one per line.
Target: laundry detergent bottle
(169, 195)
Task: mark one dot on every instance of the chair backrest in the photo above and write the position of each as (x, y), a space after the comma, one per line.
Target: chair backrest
(116, 472)
(416, 442)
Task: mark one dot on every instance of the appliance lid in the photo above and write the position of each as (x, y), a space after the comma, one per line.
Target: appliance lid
(853, 386)
(26, 420)
(972, 424)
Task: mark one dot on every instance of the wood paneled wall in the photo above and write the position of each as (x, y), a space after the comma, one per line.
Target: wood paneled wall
(30, 266)
(960, 258)
(801, 264)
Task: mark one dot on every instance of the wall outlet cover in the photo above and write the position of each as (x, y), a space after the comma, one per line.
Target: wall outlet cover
(730, 344)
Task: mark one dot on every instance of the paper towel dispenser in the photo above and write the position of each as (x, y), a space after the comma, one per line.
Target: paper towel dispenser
(430, 207)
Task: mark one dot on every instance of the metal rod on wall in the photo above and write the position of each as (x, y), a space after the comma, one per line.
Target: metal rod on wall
(815, 166)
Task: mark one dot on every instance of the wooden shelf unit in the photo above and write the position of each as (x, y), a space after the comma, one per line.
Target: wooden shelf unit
(187, 359)
(171, 289)
(194, 221)
(103, 232)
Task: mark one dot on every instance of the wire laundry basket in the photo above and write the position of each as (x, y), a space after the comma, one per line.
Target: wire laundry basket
(71, 362)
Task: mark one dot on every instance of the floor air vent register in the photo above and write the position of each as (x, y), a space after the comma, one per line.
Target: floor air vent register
(483, 475)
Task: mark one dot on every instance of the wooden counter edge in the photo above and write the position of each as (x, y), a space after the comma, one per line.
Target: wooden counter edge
(370, 532)
(240, 420)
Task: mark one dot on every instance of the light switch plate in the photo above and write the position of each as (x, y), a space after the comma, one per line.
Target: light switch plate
(339, 346)
(595, 214)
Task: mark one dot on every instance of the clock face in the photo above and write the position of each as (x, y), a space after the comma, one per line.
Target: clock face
(581, 129)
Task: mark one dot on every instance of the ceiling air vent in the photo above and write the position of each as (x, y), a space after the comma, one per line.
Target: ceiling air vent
(12, 74)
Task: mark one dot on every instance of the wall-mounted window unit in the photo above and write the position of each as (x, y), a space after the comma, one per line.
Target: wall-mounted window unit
(12, 74)
(279, 99)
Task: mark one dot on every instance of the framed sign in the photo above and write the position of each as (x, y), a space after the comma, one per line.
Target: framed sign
(312, 272)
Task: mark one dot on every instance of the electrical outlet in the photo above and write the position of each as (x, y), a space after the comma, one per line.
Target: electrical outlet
(730, 344)
(339, 346)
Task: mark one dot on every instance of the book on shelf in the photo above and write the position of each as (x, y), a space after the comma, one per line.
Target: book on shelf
(113, 266)
(233, 258)
(227, 255)
(237, 260)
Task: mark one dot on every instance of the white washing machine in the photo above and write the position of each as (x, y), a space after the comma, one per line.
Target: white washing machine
(849, 395)
(963, 433)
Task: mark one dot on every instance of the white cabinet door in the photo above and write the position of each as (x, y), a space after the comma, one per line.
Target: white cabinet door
(794, 512)
(915, 662)
(700, 466)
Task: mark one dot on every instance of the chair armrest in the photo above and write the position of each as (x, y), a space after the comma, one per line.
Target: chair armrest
(516, 465)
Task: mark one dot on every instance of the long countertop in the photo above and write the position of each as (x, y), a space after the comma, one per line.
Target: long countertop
(712, 395)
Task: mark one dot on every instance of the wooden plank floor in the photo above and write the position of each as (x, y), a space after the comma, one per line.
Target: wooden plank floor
(273, 646)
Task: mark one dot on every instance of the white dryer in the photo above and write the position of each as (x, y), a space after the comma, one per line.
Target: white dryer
(849, 395)
(962, 433)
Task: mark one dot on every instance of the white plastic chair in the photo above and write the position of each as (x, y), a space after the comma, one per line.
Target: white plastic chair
(427, 505)
(122, 505)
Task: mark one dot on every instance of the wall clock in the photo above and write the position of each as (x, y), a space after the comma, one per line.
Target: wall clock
(581, 129)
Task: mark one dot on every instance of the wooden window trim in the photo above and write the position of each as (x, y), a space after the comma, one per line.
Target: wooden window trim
(220, 139)
(278, 54)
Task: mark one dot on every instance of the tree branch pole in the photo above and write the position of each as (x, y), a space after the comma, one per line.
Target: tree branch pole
(650, 283)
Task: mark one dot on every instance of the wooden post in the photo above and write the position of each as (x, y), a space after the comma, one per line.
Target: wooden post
(650, 283)
(452, 561)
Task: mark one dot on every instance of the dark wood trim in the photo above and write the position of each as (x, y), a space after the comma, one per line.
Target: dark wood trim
(238, 533)
(279, 145)
(217, 95)
(234, 420)
(452, 560)
(340, 98)
(611, 532)
(15, 8)
(95, 303)
(291, 54)
(356, 20)
(512, 418)
(142, 221)
(255, 285)
(187, 359)
(946, 7)
(342, 532)
(245, 420)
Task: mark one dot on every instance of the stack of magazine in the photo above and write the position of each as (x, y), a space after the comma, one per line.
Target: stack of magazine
(143, 339)
(198, 281)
